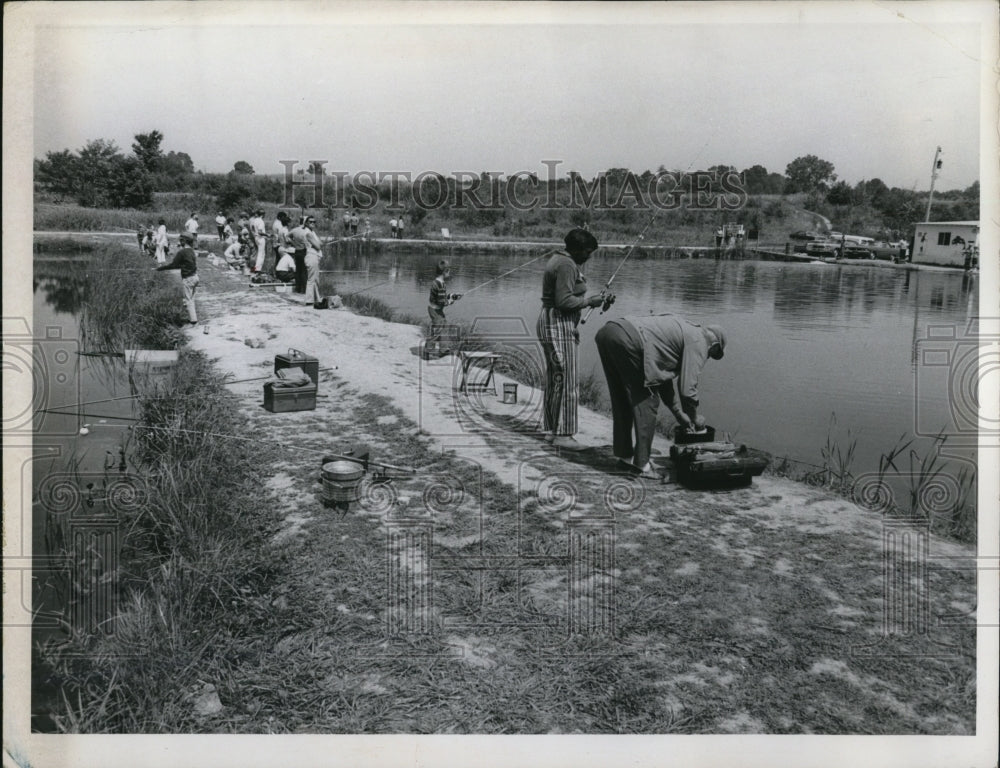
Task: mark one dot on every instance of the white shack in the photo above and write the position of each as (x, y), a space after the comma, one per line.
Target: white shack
(945, 243)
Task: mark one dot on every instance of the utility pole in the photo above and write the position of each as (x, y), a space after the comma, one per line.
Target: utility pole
(934, 169)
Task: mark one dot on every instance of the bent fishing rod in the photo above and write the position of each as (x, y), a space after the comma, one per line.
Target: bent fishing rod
(609, 298)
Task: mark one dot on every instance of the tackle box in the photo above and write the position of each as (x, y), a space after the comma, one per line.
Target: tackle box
(284, 399)
(716, 470)
(683, 437)
(297, 359)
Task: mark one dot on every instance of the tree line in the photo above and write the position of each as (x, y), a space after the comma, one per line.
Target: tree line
(100, 175)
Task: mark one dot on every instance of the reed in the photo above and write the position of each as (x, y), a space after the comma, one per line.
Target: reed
(925, 489)
(129, 306)
(193, 556)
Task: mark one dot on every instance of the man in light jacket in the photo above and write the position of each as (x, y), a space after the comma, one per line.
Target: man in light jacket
(647, 359)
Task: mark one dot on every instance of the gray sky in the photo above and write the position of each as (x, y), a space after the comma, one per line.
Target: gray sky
(412, 88)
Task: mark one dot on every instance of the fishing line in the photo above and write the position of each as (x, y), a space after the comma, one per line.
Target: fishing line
(86, 415)
(492, 279)
(355, 293)
(54, 408)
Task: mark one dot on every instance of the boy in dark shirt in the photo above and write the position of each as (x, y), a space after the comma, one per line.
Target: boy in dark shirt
(185, 261)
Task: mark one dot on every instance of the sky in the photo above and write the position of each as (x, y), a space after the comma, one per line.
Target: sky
(407, 87)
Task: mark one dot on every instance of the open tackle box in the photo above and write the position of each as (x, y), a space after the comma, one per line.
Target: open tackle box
(712, 466)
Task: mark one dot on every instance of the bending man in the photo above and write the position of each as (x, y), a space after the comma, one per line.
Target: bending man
(642, 356)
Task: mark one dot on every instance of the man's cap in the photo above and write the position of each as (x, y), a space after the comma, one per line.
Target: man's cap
(720, 337)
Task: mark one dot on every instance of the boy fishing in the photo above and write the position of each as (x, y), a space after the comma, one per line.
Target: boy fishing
(439, 299)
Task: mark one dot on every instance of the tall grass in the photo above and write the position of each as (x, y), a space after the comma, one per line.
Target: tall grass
(129, 305)
(926, 489)
(194, 559)
(194, 553)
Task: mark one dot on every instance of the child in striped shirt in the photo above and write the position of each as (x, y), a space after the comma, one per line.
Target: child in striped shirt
(439, 299)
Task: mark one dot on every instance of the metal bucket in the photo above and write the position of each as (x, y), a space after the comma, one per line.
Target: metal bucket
(341, 480)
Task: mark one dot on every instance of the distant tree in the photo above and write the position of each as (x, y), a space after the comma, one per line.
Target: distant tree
(900, 209)
(243, 167)
(98, 176)
(840, 194)
(235, 194)
(129, 185)
(755, 179)
(875, 191)
(58, 172)
(176, 164)
(809, 174)
(314, 168)
(972, 191)
(146, 148)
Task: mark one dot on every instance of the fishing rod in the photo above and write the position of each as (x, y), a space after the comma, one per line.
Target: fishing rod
(355, 293)
(609, 298)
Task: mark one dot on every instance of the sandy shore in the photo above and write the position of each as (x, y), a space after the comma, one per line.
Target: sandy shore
(782, 580)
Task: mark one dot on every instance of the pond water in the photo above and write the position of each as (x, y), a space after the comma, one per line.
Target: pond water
(77, 458)
(805, 341)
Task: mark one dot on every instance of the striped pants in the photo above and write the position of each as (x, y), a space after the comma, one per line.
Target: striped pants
(557, 332)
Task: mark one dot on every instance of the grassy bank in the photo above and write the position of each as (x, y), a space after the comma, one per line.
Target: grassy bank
(193, 532)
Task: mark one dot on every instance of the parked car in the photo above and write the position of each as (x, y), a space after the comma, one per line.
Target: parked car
(805, 236)
(855, 251)
(822, 248)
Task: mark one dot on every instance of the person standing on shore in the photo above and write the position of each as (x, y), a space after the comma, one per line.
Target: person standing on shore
(347, 223)
(227, 232)
(563, 296)
(185, 261)
(191, 227)
(399, 228)
(313, 250)
(355, 219)
(392, 229)
(297, 239)
(258, 229)
(439, 299)
(161, 242)
(642, 356)
(220, 225)
(279, 235)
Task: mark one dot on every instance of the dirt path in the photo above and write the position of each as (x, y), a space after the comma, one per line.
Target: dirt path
(508, 588)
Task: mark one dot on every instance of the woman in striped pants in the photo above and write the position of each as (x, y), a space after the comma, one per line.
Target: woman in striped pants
(564, 289)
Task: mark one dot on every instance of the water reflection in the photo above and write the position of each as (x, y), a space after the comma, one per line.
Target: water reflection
(806, 340)
(63, 283)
